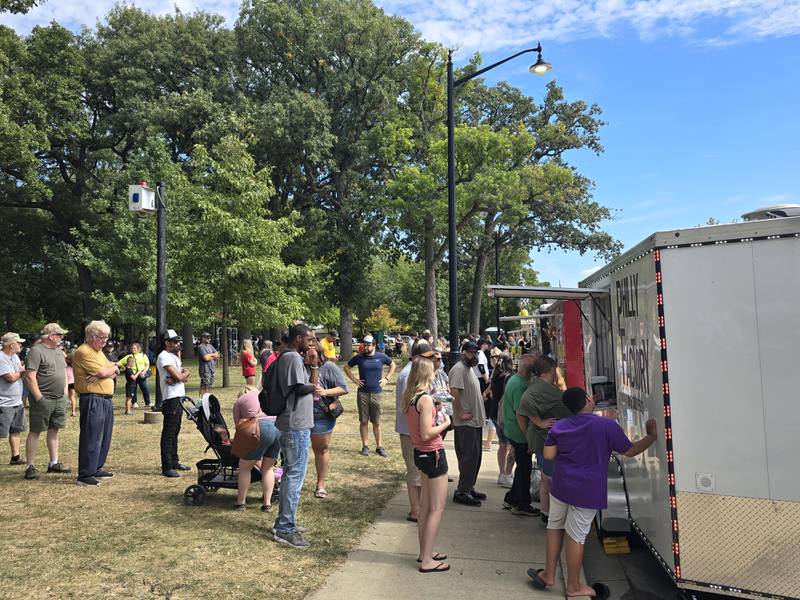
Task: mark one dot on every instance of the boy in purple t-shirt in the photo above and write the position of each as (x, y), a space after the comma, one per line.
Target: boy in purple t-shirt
(581, 446)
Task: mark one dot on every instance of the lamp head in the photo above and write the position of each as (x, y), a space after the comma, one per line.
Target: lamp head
(540, 67)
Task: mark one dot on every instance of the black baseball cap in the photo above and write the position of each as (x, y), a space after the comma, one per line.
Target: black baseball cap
(470, 346)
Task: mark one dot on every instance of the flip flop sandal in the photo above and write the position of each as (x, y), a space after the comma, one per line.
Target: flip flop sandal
(601, 591)
(266, 507)
(439, 568)
(436, 556)
(321, 493)
(411, 518)
(538, 582)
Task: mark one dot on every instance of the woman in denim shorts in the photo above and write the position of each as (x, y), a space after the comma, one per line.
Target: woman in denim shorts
(267, 451)
(330, 387)
(425, 426)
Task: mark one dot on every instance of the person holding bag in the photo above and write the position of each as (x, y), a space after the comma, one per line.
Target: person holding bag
(265, 450)
(327, 408)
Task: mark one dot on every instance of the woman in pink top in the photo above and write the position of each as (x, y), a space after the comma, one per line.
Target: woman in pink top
(425, 427)
(267, 451)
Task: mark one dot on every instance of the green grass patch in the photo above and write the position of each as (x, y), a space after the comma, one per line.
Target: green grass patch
(134, 536)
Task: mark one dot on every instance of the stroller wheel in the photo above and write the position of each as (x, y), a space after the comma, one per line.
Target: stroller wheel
(195, 495)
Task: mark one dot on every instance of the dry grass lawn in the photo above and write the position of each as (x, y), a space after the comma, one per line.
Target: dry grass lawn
(133, 537)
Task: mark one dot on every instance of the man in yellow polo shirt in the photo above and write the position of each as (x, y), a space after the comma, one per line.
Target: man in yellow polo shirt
(94, 382)
(328, 344)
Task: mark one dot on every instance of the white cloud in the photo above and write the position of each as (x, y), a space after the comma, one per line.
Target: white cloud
(74, 13)
(477, 24)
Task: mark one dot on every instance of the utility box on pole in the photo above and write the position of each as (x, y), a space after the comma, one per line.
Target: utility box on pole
(141, 198)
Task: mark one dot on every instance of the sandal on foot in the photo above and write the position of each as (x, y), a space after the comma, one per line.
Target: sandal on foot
(266, 507)
(436, 556)
(321, 493)
(439, 568)
(238, 507)
(411, 518)
(538, 582)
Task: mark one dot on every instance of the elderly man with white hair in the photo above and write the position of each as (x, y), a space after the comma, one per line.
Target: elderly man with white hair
(94, 382)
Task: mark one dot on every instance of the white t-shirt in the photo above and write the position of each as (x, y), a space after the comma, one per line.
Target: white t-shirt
(482, 362)
(176, 390)
(10, 393)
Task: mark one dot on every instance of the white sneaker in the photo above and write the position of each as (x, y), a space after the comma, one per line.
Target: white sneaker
(505, 481)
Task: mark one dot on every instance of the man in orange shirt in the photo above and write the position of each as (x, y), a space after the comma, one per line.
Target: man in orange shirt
(94, 382)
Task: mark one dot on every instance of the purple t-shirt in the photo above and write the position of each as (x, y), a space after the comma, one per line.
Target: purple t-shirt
(585, 442)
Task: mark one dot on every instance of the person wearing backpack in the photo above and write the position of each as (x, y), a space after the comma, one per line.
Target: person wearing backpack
(296, 387)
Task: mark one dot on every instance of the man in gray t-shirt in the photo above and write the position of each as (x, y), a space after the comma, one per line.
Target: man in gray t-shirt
(295, 425)
(207, 357)
(12, 413)
(299, 413)
(46, 375)
(468, 418)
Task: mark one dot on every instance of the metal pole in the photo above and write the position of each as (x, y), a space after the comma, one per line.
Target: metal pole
(161, 277)
(497, 281)
(451, 214)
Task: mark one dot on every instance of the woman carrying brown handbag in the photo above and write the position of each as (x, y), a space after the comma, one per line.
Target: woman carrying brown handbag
(266, 452)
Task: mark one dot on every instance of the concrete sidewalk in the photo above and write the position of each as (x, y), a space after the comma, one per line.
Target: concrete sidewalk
(488, 549)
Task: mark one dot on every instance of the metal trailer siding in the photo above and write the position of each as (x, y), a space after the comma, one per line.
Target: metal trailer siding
(639, 384)
(731, 322)
(743, 546)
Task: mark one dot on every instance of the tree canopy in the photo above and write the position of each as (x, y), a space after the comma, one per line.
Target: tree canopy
(304, 156)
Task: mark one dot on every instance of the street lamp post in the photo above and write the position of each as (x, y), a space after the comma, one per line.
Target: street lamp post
(540, 67)
(161, 276)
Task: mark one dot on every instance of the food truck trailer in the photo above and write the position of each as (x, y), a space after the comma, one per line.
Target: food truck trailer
(698, 328)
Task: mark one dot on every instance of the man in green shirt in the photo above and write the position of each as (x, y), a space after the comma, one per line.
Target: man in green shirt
(539, 407)
(518, 498)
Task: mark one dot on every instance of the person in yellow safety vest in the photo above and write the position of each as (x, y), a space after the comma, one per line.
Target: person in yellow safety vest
(141, 368)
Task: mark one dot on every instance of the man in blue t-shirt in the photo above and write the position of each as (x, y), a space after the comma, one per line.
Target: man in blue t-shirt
(370, 383)
(581, 446)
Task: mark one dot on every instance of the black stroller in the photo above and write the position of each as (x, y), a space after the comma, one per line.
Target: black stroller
(220, 472)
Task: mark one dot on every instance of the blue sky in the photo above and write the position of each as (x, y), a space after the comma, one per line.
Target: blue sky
(701, 96)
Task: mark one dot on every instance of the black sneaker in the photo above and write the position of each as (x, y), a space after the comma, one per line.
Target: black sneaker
(364, 451)
(58, 468)
(477, 495)
(31, 472)
(463, 498)
(182, 467)
(101, 474)
(170, 473)
(525, 511)
(381, 452)
(16, 460)
(88, 481)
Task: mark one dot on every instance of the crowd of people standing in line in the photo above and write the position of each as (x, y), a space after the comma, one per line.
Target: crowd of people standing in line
(529, 408)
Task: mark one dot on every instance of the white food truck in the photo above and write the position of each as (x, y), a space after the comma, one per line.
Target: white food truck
(699, 328)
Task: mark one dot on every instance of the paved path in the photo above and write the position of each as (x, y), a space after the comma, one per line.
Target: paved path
(488, 549)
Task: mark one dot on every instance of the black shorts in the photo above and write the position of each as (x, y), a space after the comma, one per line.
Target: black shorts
(432, 463)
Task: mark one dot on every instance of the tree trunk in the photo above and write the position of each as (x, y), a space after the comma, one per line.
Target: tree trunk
(187, 333)
(346, 331)
(245, 334)
(477, 293)
(226, 359)
(86, 287)
(431, 269)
